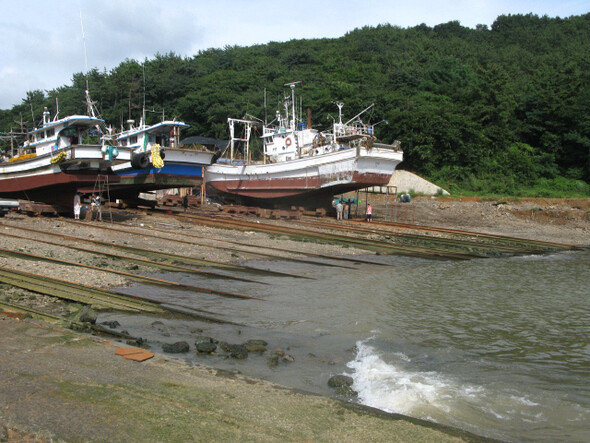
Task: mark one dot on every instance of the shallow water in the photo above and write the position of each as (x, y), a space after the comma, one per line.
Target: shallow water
(499, 347)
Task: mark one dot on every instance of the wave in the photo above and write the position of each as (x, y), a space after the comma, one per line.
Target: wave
(392, 388)
(393, 383)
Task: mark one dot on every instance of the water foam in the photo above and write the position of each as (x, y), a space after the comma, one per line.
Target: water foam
(392, 383)
(392, 388)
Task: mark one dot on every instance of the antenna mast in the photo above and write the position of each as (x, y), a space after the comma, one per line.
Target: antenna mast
(88, 104)
(91, 110)
(292, 85)
(143, 111)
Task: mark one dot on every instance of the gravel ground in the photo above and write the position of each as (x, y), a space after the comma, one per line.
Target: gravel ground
(561, 221)
(151, 232)
(553, 220)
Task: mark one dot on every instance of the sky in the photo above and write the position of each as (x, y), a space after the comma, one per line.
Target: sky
(43, 43)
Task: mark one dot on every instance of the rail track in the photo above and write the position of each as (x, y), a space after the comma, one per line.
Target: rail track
(189, 238)
(139, 261)
(162, 257)
(451, 238)
(98, 298)
(135, 277)
(10, 309)
(103, 298)
(458, 245)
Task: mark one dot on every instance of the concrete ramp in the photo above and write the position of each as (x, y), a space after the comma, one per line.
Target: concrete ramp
(406, 181)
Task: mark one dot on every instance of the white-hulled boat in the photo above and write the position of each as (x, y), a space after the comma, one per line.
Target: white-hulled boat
(152, 158)
(60, 157)
(302, 166)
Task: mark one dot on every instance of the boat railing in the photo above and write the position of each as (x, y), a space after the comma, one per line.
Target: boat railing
(395, 146)
(356, 128)
(22, 157)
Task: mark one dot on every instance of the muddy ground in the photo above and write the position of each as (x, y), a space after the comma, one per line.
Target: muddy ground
(554, 220)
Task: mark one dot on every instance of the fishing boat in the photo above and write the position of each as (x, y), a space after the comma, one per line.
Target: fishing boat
(301, 166)
(58, 158)
(8, 205)
(151, 158)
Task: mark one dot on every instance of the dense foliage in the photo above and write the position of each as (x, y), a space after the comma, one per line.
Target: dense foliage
(493, 110)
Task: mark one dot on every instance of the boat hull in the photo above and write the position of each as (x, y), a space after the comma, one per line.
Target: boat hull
(37, 179)
(182, 168)
(310, 181)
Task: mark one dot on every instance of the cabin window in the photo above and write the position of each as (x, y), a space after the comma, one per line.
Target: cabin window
(123, 142)
(133, 140)
(50, 132)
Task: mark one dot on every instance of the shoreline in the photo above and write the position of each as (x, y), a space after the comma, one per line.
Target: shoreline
(56, 387)
(45, 356)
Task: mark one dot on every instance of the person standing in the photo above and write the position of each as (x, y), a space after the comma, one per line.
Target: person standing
(339, 209)
(369, 213)
(96, 209)
(77, 206)
(185, 202)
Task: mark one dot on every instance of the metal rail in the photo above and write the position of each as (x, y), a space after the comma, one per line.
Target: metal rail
(118, 227)
(140, 261)
(139, 278)
(478, 234)
(174, 258)
(457, 244)
(463, 244)
(371, 245)
(57, 319)
(459, 239)
(99, 298)
(74, 292)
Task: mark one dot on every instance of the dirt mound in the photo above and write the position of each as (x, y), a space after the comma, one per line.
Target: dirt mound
(548, 219)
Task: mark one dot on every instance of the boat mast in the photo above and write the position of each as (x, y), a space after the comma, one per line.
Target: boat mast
(89, 104)
(91, 110)
(265, 119)
(337, 127)
(142, 123)
(293, 107)
(247, 125)
(292, 122)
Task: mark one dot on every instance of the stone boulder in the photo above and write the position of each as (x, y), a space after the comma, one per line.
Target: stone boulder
(342, 384)
(256, 345)
(84, 315)
(277, 356)
(111, 324)
(205, 347)
(176, 348)
(340, 380)
(235, 351)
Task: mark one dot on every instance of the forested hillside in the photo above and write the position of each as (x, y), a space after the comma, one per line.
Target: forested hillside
(497, 110)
